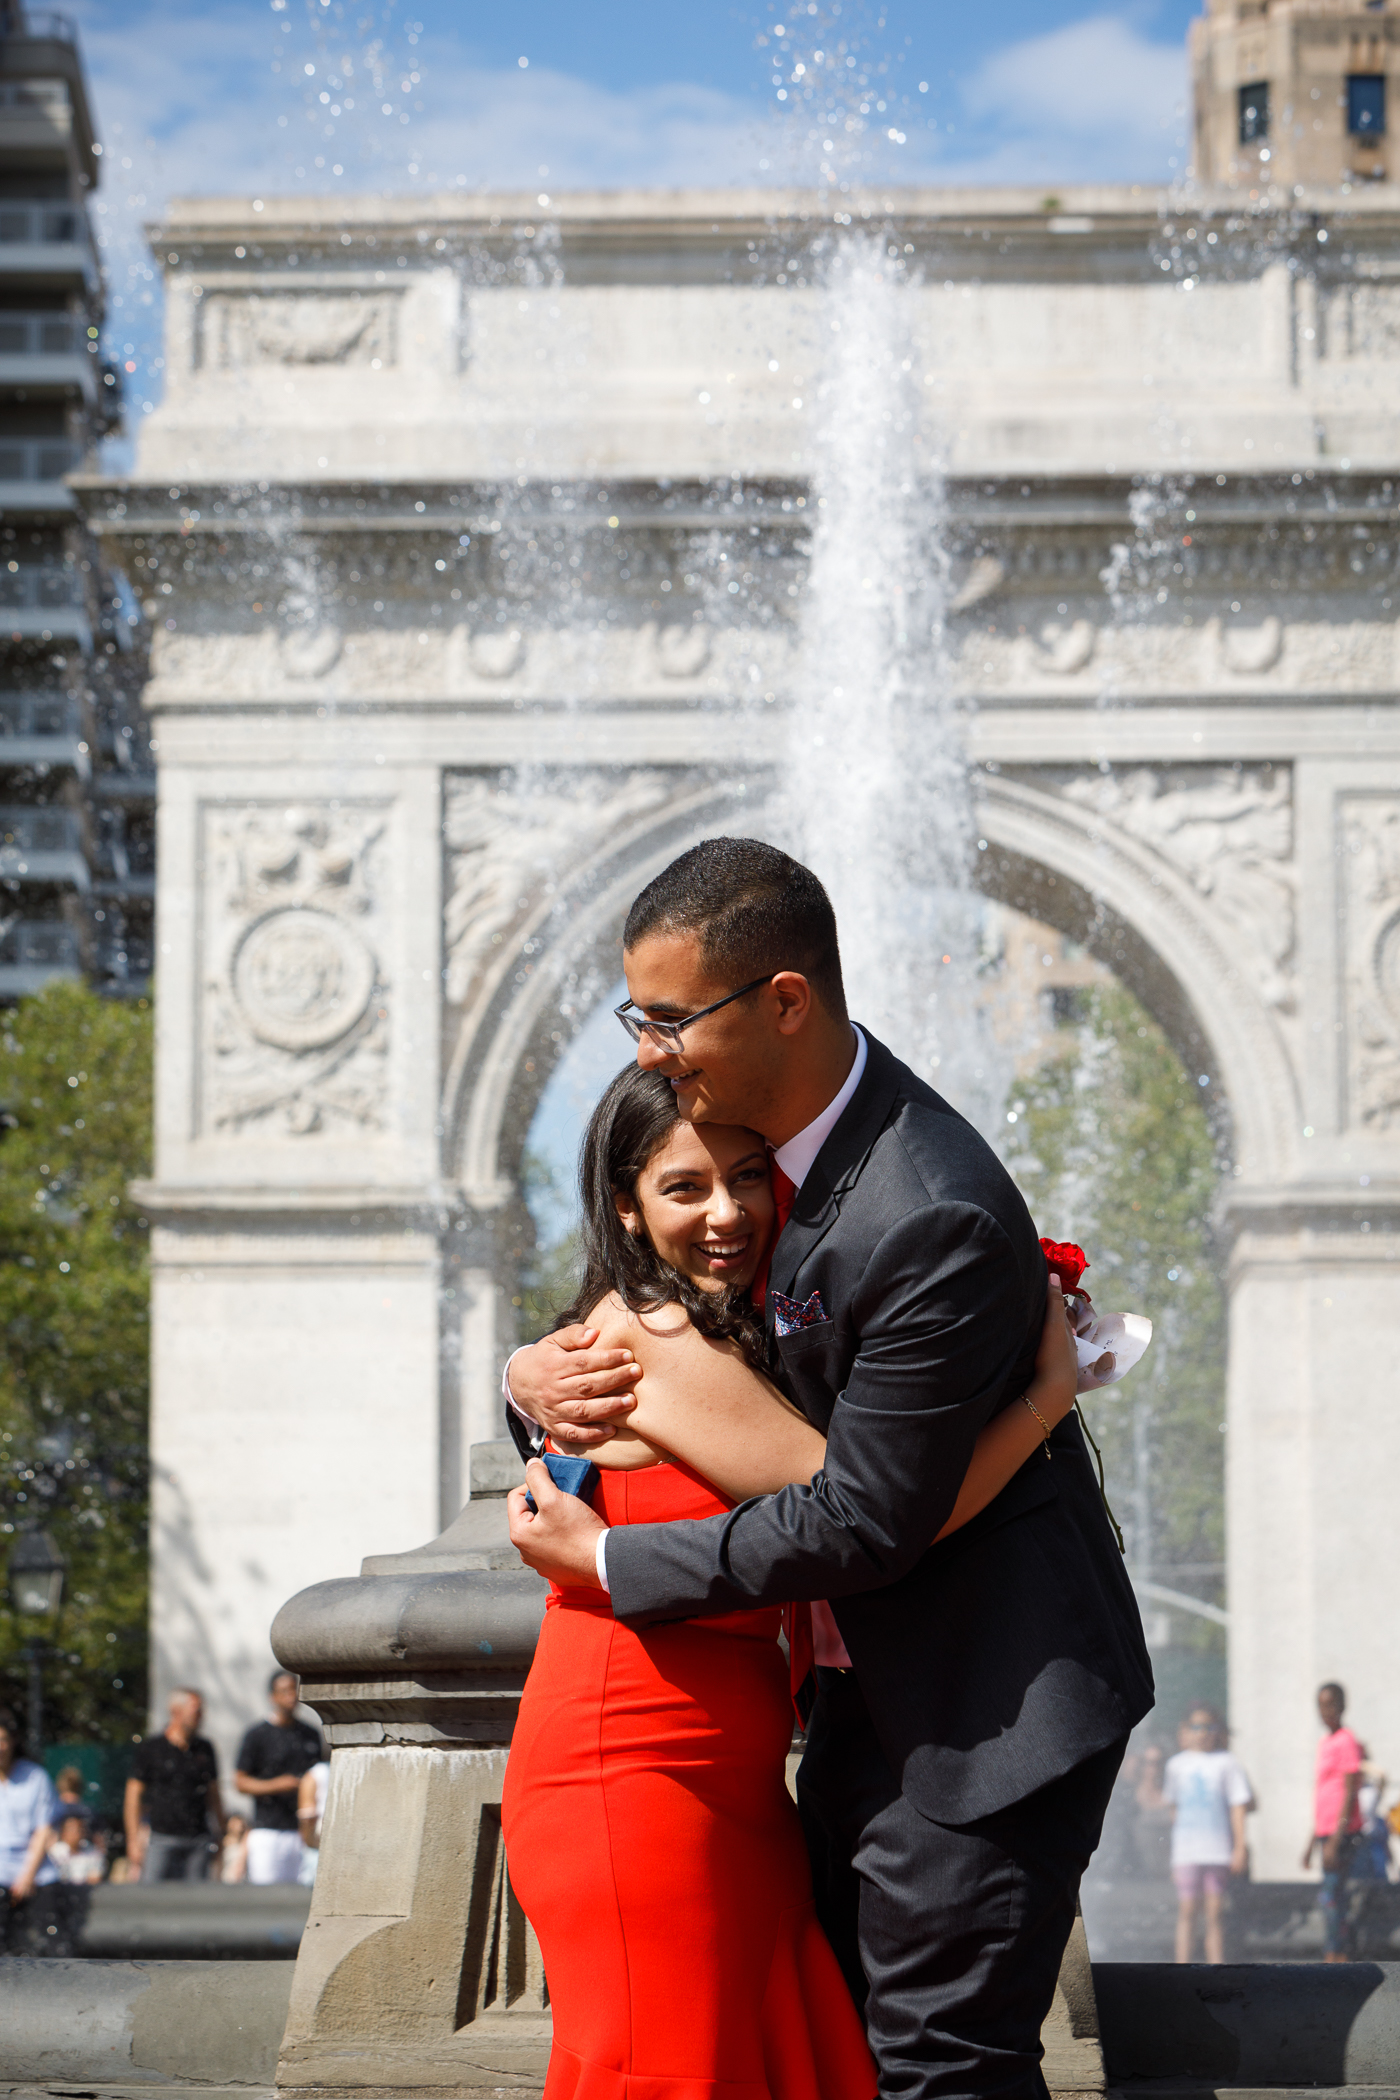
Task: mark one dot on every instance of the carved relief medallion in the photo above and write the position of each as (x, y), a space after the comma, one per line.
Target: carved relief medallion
(301, 978)
(682, 651)
(296, 1014)
(496, 652)
(309, 650)
(1246, 651)
(1063, 647)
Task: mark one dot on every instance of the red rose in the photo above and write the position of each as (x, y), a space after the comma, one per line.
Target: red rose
(1068, 1262)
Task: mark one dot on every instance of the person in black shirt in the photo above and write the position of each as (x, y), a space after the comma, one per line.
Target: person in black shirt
(271, 1759)
(173, 1814)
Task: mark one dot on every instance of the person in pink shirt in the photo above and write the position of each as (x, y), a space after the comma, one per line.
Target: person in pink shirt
(1336, 1815)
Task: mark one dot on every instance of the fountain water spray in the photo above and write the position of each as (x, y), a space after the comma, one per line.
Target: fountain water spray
(876, 795)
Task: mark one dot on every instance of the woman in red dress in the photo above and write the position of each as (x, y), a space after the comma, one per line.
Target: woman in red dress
(650, 1834)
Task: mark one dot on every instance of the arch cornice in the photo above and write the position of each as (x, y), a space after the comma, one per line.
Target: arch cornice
(1135, 910)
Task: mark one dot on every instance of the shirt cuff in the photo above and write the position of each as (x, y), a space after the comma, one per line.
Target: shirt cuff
(600, 1560)
(511, 1402)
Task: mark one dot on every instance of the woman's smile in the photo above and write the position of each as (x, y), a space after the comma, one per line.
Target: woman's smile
(725, 1258)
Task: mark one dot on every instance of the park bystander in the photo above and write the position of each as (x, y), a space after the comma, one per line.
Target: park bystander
(1336, 1818)
(271, 1760)
(173, 1814)
(1210, 1794)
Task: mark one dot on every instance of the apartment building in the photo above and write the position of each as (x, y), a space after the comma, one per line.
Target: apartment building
(77, 787)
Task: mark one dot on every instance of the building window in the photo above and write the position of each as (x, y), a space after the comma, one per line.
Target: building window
(1254, 113)
(1366, 105)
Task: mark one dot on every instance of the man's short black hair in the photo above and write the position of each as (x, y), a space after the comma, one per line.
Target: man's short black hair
(1336, 1689)
(756, 911)
(276, 1678)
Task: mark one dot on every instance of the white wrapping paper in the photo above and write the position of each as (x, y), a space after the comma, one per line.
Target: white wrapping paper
(1108, 1345)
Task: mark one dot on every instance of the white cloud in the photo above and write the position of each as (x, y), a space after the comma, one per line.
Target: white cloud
(1093, 101)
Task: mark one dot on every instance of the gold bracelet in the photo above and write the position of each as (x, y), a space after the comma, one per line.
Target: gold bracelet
(1040, 1418)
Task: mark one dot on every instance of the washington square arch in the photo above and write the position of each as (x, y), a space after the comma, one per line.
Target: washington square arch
(473, 533)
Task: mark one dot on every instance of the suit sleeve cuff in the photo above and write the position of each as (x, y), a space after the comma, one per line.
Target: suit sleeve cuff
(600, 1560)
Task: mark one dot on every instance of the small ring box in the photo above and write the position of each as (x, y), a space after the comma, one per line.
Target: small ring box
(572, 1476)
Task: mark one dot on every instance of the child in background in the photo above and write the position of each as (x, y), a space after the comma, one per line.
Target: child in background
(233, 1855)
(79, 1860)
(311, 1809)
(1210, 1795)
(72, 1792)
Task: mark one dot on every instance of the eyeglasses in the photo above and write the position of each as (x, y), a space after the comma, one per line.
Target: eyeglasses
(667, 1034)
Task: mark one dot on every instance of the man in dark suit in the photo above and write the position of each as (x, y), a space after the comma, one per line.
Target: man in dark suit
(963, 1746)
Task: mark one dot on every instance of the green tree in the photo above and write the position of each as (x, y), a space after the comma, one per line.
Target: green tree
(75, 1090)
(1114, 1151)
(550, 1273)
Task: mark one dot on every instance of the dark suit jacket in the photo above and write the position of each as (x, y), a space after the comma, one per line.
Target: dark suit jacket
(1001, 1658)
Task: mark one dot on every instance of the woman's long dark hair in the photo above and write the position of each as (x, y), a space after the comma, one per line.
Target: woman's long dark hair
(636, 1115)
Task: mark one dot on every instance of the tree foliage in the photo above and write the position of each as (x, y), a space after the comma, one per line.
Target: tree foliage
(75, 1089)
(1113, 1149)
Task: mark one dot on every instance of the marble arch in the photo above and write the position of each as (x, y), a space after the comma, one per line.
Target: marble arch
(557, 535)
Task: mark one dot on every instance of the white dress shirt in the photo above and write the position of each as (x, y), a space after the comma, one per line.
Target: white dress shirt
(796, 1158)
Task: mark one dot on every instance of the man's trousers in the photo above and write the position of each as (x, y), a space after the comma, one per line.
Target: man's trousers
(177, 1858)
(950, 1935)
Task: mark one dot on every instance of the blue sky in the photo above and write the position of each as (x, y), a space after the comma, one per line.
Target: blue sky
(256, 97)
(247, 96)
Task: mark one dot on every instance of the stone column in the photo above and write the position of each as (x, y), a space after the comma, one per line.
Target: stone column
(1314, 1434)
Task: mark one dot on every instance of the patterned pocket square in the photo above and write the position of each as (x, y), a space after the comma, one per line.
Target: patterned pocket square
(789, 1316)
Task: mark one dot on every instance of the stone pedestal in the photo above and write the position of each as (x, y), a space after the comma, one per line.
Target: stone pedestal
(418, 1970)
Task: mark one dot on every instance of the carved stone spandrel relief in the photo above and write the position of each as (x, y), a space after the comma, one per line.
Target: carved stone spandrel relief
(1369, 843)
(510, 843)
(299, 328)
(1231, 833)
(295, 1006)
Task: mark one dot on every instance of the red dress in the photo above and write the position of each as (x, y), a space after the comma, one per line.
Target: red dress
(658, 1854)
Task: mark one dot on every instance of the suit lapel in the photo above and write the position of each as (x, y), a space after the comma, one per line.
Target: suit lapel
(837, 1166)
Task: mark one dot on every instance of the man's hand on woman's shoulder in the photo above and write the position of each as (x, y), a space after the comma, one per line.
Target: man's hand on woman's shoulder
(578, 1392)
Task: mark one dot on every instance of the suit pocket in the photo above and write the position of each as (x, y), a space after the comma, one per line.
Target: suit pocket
(804, 1339)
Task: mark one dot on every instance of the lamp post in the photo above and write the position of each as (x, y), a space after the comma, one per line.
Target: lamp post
(37, 1569)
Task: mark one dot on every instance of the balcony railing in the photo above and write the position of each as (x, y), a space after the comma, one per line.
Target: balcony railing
(40, 586)
(38, 943)
(37, 459)
(43, 335)
(26, 830)
(39, 224)
(36, 22)
(31, 717)
(49, 97)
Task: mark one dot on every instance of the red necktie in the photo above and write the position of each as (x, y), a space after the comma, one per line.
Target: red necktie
(784, 1196)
